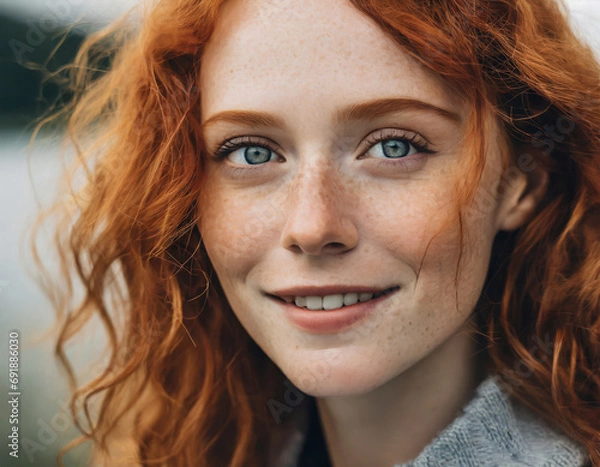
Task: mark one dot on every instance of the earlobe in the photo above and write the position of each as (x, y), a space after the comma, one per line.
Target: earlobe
(521, 198)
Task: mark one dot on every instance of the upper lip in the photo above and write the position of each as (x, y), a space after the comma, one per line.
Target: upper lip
(323, 290)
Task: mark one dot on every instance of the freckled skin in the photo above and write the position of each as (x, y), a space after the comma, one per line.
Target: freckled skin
(323, 215)
(283, 222)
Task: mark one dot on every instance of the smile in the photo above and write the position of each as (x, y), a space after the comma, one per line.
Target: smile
(334, 301)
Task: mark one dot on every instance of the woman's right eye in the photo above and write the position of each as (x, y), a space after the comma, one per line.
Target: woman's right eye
(251, 155)
(245, 152)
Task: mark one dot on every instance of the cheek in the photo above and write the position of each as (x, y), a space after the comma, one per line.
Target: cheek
(441, 280)
(422, 223)
(414, 218)
(236, 230)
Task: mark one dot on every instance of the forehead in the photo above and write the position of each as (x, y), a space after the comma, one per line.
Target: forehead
(302, 53)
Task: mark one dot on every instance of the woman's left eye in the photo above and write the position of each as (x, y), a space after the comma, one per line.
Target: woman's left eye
(393, 149)
(395, 146)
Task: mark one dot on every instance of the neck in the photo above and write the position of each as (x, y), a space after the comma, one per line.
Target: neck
(395, 422)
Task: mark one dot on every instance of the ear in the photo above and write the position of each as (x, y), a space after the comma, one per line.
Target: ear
(524, 188)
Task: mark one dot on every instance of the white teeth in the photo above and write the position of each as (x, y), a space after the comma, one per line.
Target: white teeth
(331, 302)
(350, 298)
(314, 303)
(363, 297)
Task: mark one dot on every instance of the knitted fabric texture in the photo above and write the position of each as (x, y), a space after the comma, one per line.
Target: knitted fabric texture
(496, 431)
(492, 430)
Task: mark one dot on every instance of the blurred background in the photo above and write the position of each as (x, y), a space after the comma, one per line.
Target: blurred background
(30, 32)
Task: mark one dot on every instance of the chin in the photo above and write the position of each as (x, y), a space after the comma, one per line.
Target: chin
(334, 382)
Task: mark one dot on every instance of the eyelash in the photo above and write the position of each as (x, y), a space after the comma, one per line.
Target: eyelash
(419, 143)
(231, 145)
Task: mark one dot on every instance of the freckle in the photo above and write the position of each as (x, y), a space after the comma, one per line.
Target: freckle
(410, 323)
(427, 329)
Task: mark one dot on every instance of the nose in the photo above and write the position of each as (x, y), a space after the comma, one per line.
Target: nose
(319, 220)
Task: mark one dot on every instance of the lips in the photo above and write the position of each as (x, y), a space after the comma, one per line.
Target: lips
(330, 297)
(328, 321)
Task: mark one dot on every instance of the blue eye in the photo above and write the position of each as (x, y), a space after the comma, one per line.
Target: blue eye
(384, 144)
(255, 154)
(395, 148)
(245, 151)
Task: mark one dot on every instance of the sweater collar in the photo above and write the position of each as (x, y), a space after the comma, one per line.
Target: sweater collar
(494, 429)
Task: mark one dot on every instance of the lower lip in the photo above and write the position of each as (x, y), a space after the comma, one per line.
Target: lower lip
(329, 322)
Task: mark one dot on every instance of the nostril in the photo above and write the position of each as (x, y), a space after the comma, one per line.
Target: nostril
(316, 235)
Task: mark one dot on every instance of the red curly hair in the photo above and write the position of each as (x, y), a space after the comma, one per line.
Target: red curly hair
(180, 387)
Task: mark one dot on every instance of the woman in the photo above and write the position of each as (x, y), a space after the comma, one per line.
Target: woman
(341, 233)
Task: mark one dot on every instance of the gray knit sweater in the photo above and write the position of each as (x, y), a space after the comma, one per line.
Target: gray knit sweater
(492, 430)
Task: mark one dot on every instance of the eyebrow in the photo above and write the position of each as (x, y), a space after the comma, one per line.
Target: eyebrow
(380, 107)
(359, 111)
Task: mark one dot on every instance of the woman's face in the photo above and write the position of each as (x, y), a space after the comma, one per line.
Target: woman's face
(340, 162)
